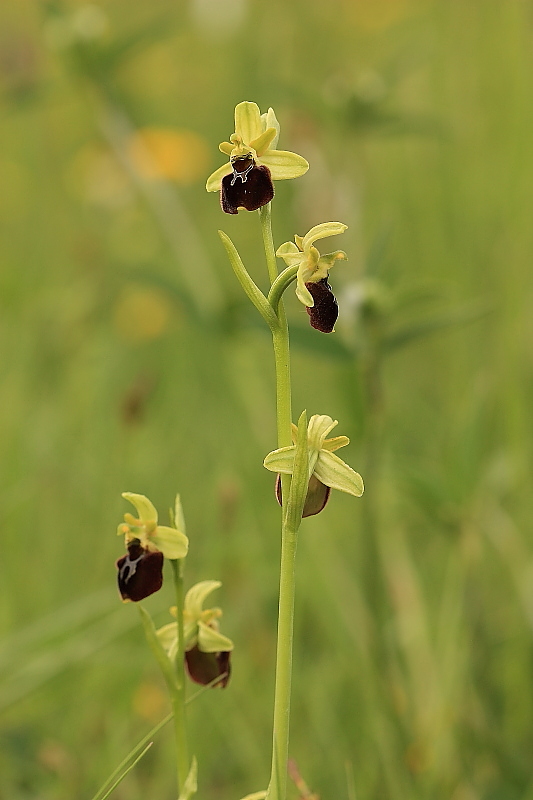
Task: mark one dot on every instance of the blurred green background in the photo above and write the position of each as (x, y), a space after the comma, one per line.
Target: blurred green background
(130, 360)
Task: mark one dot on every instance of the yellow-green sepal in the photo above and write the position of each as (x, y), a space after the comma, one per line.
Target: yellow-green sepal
(195, 597)
(211, 640)
(333, 472)
(145, 509)
(281, 460)
(290, 254)
(284, 165)
(214, 181)
(171, 542)
(247, 121)
(322, 231)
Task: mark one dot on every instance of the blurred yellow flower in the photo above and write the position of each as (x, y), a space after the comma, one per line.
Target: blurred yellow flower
(177, 155)
(149, 701)
(142, 314)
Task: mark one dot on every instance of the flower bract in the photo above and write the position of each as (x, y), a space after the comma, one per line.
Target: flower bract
(312, 287)
(326, 470)
(207, 651)
(245, 181)
(140, 571)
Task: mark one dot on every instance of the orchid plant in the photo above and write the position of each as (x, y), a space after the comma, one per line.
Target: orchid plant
(304, 461)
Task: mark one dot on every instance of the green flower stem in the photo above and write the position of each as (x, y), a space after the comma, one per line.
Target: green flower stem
(281, 283)
(178, 700)
(282, 694)
(265, 215)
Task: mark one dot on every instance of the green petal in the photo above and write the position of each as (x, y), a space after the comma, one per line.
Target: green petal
(145, 509)
(319, 427)
(281, 460)
(328, 259)
(194, 599)
(172, 543)
(269, 120)
(290, 254)
(284, 164)
(332, 471)
(212, 641)
(247, 121)
(335, 443)
(214, 181)
(263, 142)
(322, 231)
(226, 148)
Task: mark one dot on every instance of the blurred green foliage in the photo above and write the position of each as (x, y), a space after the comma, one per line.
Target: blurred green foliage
(131, 361)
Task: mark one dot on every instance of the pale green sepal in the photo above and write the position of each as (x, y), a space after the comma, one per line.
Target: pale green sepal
(333, 472)
(256, 795)
(194, 599)
(335, 443)
(190, 785)
(247, 121)
(226, 148)
(145, 509)
(319, 427)
(299, 241)
(179, 519)
(302, 292)
(281, 460)
(168, 636)
(263, 142)
(214, 181)
(251, 289)
(283, 164)
(211, 641)
(300, 477)
(290, 254)
(269, 120)
(158, 650)
(322, 231)
(172, 543)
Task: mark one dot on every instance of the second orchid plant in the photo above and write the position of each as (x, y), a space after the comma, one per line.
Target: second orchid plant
(304, 461)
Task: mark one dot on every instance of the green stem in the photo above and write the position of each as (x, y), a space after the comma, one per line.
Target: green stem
(265, 215)
(178, 699)
(283, 280)
(280, 336)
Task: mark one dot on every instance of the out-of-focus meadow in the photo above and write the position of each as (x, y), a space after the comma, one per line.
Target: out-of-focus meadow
(130, 360)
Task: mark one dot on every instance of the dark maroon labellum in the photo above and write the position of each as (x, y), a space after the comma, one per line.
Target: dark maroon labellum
(140, 572)
(206, 667)
(317, 496)
(249, 186)
(325, 311)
